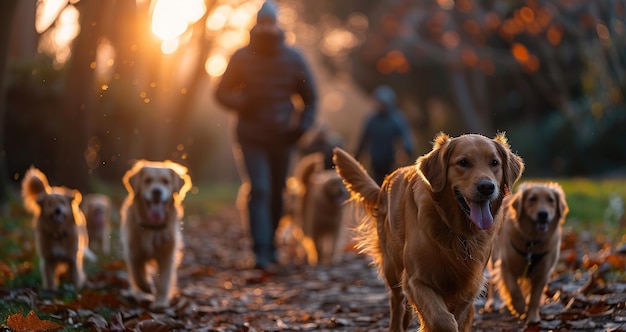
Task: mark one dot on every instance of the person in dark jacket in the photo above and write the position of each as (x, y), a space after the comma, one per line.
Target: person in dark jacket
(258, 85)
(382, 131)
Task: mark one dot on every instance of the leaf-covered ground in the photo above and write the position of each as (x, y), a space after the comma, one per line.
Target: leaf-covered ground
(218, 292)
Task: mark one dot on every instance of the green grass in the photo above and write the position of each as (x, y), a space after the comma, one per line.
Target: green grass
(589, 199)
(205, 199)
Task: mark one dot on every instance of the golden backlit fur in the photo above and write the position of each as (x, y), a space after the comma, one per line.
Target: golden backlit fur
(428, 249)
(151, 217)
(61, 237)
(97, 209)
(527, 248)
(319, 209)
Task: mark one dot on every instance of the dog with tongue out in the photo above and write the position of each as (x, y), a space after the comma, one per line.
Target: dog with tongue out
(150, 228)
(479, 211)
(430, 226)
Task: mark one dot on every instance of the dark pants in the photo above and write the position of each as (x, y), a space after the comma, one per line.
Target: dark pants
(381, 168)
(266, 167)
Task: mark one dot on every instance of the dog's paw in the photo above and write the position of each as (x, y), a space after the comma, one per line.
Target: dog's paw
(160, 305)
(137, 296)
(493, 305)
(517, 309)
(533, 318)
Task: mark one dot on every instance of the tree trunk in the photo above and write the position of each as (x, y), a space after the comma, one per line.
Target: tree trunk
(7, 9)
(78, 100)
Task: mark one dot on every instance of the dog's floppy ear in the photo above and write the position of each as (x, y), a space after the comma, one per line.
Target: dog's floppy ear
(513, 165)
(434, 165)
(177, 181)
(181, 179)
(562, 207)
(132, 178)
(75, 196)
(516, 203)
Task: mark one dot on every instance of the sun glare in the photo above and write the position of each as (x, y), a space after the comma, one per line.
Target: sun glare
(231, 23)
(57, 22)
(215, 65)
(47, 12)
(169, 46)
(105, 60)
(170, 18)
(219, 18)
(67, 27)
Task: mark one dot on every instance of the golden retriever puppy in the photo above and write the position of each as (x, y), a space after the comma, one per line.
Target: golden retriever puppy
(527, 248)
(151, 217)
(97, 210)
(61, 237)
(430, 227)
(319, 210)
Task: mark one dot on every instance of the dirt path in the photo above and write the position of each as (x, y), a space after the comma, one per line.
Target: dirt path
(219, 293)
(214, 275)
(345, 297)
(229, 297)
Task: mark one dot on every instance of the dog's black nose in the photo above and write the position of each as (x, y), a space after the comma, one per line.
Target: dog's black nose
(485, 188)
(542, 216)
(156, 195)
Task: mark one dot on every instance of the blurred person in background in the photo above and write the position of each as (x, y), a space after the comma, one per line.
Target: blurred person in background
(384, 129)
(258, 85)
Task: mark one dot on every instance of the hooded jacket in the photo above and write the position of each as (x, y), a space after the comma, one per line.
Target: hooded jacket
(383, 128)
(259, 83)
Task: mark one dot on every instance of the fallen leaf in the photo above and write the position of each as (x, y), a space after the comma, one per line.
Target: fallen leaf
(599, 308)
(617, 261)
(116, 323)
(152, 325)
(98, 322)
(31, 322)
(88, 299)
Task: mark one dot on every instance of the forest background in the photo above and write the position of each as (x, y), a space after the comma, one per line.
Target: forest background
(90, 86)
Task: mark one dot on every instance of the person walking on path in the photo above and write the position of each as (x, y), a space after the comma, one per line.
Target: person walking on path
(258, 85)
(382, 131)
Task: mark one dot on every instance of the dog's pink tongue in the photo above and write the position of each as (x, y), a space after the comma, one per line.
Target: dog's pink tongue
(156, 214)
(481, 214)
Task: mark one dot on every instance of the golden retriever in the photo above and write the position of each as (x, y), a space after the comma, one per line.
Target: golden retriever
(430, 227)
(97, 210)
(527, 248)
(151, 217)
(319, 209)
(61, 238)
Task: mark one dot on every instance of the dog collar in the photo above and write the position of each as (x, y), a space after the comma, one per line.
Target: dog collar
(531, 259)
(153, 227)
(58, 235)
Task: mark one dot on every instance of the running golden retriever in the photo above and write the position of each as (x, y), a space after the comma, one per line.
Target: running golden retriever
(527, 248)
(430, 228)
(150, 228)
(61, 238)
